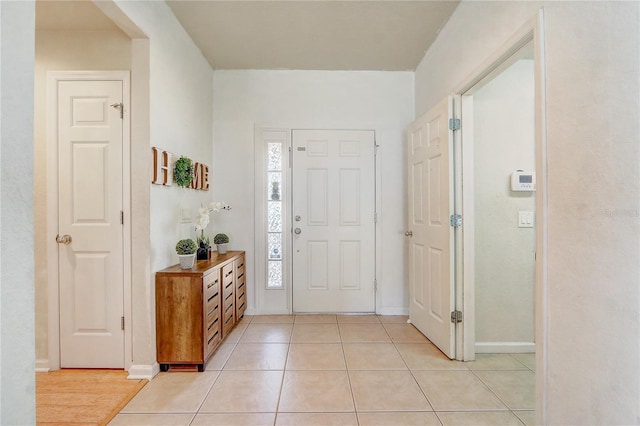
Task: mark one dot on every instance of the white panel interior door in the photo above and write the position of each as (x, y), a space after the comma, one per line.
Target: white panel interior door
(333, 220)
(90, 201)
(430, 189)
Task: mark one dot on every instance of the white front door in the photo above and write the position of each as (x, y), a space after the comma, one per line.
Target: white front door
(333, 221)
(90, 156)
(430, 190)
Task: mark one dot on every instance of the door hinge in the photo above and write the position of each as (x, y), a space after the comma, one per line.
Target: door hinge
(455, 220)
(122, 323)
(119, 106)
(456, 317)
(454, 124)
(121, 217)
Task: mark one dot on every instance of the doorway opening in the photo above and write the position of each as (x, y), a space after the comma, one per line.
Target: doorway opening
(500, 235)
(441, 193)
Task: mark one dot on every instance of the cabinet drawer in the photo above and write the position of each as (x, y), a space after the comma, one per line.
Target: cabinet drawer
(213, 318)
(239, 269)
(212, 283)
(241, 298)
(214, 335)
(227, 274)
(212, 298)
(228, 320)
(212, 277)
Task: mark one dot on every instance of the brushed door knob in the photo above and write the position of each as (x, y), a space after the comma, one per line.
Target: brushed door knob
(65, 239)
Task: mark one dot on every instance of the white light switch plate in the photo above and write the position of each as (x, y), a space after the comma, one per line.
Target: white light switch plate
(185, 214)
(526, 219)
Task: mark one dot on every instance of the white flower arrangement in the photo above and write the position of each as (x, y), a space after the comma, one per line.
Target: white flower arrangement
(202, 221)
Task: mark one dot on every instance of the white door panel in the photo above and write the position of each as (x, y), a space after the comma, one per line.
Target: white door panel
(90, 202)
(430, 189)
(334, 196)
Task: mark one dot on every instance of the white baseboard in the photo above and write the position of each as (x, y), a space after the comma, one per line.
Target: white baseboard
(394, 311)
(42, 365)
(505, 347)
(271, 312)
(142, 371)
(383, 311)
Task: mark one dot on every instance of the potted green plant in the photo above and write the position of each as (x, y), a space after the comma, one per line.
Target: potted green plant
(221, 241)
(186, 250)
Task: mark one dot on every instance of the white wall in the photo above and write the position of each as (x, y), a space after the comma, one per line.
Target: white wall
(381, 101)
(57, 51)
(179, 110)
(593, 189)
(17, 354)
(503, 141)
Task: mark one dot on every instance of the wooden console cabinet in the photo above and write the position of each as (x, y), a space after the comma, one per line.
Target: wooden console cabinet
(197, 308)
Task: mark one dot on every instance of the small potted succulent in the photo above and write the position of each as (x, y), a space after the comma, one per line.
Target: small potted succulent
(221, 241)
(186, 250)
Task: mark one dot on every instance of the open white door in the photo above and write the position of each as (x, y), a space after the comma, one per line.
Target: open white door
(90, 163)
(333, 220)
(430, 190)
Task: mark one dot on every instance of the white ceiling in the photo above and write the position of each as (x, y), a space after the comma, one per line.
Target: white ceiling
(388, 35)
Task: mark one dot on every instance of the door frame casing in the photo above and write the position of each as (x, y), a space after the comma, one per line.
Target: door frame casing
(53, 286)
(531, 32)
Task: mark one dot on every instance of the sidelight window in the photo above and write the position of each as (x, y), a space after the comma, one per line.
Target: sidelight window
(274, 212)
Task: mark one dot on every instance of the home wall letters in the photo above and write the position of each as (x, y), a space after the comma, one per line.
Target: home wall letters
(163, 171)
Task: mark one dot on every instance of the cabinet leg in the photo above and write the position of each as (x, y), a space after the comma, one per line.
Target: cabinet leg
(200, 368)
(164, 367)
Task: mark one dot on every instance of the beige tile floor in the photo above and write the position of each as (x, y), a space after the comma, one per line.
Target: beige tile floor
(337, 370)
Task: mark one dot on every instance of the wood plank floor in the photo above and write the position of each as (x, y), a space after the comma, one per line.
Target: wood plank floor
(87, 397)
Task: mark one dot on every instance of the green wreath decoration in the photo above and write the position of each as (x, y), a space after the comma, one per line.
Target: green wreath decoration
(183, 172)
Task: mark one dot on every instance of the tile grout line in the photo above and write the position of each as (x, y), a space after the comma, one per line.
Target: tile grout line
(494, 393)
(284, 372)
(346, 368)
(235, 345)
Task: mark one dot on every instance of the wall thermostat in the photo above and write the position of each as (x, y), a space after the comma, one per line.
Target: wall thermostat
(523, 181)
